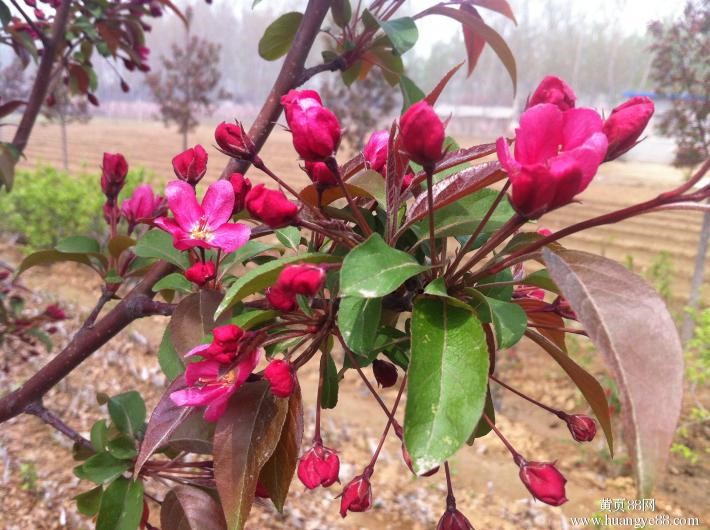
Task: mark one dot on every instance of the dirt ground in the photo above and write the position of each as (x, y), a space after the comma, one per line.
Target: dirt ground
(485, 479)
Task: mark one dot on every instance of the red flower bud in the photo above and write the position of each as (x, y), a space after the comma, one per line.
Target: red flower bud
(93, 99)
(357, 495)
(201, 273)
(319, 466)
(454, 520)
(544, 482)
(407, 181)
(582, 427)
(191, 165)
(227, 336)
(625, 124)
(375, 151)
(39, 14)
(302, 279)
(55, 312)
(281, 299)
(422, 134)
(320, 174)
(234, 141)
(315, 129)
(553, 90)
(270, 206)
(241, 186)
(385, 373)
(113, 175)
(281, 377)
(124, 86)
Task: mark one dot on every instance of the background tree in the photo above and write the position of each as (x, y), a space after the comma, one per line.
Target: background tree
(189, 81)
(679, 71)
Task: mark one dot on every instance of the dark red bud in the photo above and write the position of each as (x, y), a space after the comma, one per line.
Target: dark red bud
(282, 378)
(270, 206)
(385, 373)
(201, 273)
(454, 520)
(422, 134)
(319, 466)
(357, 495)
(544, 482)
(582, 427)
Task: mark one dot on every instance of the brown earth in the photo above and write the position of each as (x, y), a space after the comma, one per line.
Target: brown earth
(485, 478)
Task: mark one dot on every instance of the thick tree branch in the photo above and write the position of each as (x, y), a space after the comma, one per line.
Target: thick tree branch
(289, 77)
(43, 76)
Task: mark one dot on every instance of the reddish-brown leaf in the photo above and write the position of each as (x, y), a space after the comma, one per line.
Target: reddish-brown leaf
(473, 41)
(244, 440)
(455, 186)
(587, 384)
(500, 6)
(187, 508)
(277, 473)
(110, 35)
(631, 327)
(309, 194)
(433, 96)
(534, 309)
(492, 37)
(78, 78)
(193, 318)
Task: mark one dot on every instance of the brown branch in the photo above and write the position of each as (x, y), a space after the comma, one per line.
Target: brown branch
(292, 72)
(42, 77)
(36, 408)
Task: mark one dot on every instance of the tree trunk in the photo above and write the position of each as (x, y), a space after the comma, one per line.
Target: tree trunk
(697, 282)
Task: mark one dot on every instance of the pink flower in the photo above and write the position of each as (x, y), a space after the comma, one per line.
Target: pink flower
(208, 386)
(223, 348)
(422, 134)
(319, 466)
(270, 206)
(375, 151)
(241, 186)
(357, 495)
(555, 91)
(544, 482)
(191, 165)
(205, 225)
(113, 175)
(625, 124)
(281, 377)
(142, 206)
(556, 156)
(281, 299)
(315, 129)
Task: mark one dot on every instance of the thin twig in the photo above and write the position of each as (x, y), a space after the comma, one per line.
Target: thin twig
(36, 408)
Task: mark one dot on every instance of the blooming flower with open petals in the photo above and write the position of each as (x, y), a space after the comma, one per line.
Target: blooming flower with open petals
(208, 386)
(556, 156)
(204, 225)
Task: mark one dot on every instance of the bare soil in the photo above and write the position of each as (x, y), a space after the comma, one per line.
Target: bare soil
(485, 479)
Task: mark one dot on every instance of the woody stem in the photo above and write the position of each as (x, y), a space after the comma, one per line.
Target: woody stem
(333, 166)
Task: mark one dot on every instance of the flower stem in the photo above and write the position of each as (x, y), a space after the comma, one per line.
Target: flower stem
(516, 456)
(333, 166)
(524, 396)
(429, 169)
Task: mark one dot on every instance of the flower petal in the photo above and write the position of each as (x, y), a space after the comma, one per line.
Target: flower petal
(579, 125)
(198, 397)
(197, 350)
(246, 366)
(589, 155)
(230, 236)
(215, 410)
(205, 370)
(539, 135)
(183, 204)
(218, 203)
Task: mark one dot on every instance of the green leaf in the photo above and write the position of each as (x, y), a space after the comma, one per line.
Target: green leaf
(630, 325)
(175, 281)
(170, 361)
(278, 37)
(119, 243)
(8, 160)
(411, 93)
(101, 468)
(159, 244)
(88, 503)
(509, 320)
(402, 33)
(5, 14)
(342, 12)
(254, 317)
(99, 434)
(374, 269)
(264, 276)
(483, 427)
(122, 447)
(372, 182)
(47, 257)
(244, 253)
(448, 381)
(121, 506)
(78, 245)
(359, 321)
(463, 216)
(245, 438)
(127, 412)
(542, 279)
(290, 237)
(500, 292)
(329, 396)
